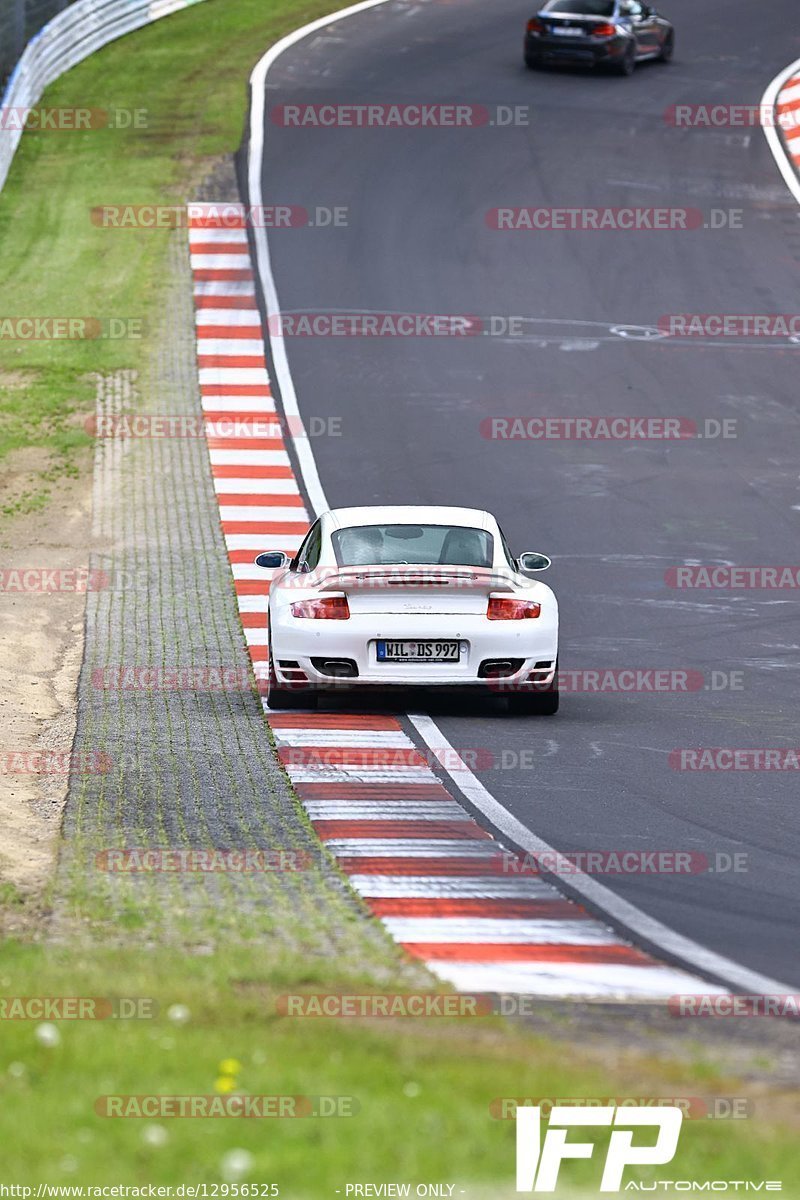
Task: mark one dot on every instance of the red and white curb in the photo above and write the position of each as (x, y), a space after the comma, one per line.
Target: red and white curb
(787, 109)
(448, 892)
(260, 502)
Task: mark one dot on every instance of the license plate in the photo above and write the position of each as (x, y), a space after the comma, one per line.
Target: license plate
(560, 32)
(418, 651)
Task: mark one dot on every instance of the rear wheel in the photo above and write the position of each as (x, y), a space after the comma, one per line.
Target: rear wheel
(531, 63)
(536, 704)
(627, 65)
(668, 49)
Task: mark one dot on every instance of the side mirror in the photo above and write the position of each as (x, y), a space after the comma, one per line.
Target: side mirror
(531, 561)
(272, 560)
(648, 11)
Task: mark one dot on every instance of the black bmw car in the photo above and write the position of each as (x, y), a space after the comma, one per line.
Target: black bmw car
(598, 33)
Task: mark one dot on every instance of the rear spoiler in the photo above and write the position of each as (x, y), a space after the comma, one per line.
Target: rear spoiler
(363, 579)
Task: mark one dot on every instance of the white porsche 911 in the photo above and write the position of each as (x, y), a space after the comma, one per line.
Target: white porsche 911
(410, 597)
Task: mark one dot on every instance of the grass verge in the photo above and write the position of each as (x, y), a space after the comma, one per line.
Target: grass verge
(185, 79)
(421, 1089)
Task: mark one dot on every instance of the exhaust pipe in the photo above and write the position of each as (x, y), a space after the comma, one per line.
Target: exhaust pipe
(339, 668)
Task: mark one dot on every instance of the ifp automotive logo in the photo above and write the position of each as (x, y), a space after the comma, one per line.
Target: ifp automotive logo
(539, 1160)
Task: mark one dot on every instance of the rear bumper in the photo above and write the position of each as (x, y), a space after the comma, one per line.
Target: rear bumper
(588, 51)
(302, 641)
(520, 682)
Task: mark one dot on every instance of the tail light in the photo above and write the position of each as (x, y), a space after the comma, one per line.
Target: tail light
(330, 608)
(605, 30)
(502, 609)
(535, 26)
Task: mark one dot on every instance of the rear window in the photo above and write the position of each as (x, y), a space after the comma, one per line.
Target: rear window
(583, 8)
(420, 545)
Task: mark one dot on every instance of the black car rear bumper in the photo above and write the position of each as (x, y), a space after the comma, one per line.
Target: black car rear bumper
(588, 51)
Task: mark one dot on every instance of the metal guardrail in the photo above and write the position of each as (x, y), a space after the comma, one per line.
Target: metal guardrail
(71, 35)
(19, 21)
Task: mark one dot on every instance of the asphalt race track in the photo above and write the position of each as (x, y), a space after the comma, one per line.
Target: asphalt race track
(615, 516)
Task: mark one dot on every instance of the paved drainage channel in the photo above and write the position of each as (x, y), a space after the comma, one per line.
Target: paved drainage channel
(445, 889)
(169, 711)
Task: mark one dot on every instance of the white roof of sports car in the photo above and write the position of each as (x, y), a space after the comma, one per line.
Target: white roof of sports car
(397, 514)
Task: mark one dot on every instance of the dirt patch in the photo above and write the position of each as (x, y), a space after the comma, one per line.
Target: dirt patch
(33, 478)
(14, 379)
(41, 647)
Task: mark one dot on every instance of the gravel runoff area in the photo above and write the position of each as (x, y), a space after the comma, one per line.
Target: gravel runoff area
(186, 763)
